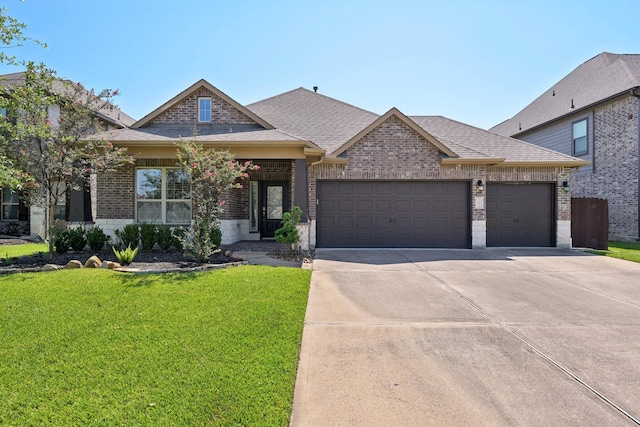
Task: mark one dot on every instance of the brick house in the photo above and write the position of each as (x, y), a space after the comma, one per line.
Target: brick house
(593, 114)
(361, 179)
(18, 219)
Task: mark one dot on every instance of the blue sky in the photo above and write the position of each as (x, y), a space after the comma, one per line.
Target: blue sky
(478, 62)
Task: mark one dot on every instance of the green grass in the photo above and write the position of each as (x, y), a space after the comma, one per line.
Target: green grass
(12, 251)
(629, 251)
(94, 347)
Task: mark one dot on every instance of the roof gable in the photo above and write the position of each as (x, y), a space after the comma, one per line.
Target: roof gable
(183, 109)
(394, 113)
(602, 77)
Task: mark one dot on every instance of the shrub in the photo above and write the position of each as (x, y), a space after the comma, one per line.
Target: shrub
(199, 242)
(179, 234)
(164, 237)
(60, 238)
(125, 256)
(288, 232)
(96, 238)
(77, 238)
(148, 234)
(129, 235)
(216, 236)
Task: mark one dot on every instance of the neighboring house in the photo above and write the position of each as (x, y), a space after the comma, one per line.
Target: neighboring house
(361, 179)
(18, 219)
(593, 114)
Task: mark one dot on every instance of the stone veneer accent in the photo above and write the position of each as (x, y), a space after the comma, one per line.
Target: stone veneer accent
(615, 166)
(186, 111)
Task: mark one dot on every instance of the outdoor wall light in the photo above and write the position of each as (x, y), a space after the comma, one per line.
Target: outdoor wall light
(565, 185)
(480, 185)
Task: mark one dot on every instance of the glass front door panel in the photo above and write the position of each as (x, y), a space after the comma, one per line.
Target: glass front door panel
(274, 202)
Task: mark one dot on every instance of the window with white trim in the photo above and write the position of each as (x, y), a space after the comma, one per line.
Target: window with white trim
(10, 205)
(163, 195)
(204, 109)
(579, 137)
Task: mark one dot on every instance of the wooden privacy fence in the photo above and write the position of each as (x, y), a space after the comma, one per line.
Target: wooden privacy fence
(590, 222)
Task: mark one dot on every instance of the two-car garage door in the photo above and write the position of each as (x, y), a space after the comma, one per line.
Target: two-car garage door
(388, 214)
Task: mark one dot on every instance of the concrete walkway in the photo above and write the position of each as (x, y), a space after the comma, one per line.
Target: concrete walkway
(495, 337)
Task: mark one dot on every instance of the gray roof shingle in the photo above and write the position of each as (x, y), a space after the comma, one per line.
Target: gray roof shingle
(238, 133)
(309, 115)
(109, 113)
(601, 77)
(471, 142)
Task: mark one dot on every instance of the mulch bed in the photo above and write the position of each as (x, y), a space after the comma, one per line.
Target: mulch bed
(155, 260)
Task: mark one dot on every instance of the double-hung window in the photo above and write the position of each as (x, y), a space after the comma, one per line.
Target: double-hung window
(579, 138)
(204, 109)
(163, 195)
(10, 205)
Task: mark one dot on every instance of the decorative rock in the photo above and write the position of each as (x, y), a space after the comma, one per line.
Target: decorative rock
(93, 262)
(113, 265)
(50, 267)
(228, 253)
(74, 263)
(105, 264)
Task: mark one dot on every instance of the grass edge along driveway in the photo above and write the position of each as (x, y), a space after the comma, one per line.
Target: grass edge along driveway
(628, 251)
(96, 347)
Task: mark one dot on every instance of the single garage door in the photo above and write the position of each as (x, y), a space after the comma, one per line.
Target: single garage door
(520, 215)
(393, 214)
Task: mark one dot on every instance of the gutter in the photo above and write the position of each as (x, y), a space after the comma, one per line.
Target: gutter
(634, 91)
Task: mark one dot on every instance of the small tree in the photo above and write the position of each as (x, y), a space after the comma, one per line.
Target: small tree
(212, 173)
(55, 153)
(288, 232)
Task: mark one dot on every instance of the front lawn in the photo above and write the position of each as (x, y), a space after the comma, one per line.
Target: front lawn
(12, 251)
(94, 347)
(629, 251)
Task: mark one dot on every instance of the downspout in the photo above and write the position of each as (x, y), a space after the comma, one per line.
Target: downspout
(636, 92)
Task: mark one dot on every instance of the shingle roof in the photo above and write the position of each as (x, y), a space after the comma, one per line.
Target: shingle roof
(240, 133)
(475, 143)
(111, 114)
(601, 77)
(325, 121)
(331, 123)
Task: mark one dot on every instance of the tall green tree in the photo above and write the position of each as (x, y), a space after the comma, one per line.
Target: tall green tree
(46, 136)
(12, 35)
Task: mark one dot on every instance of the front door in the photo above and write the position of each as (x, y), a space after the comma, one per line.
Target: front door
(274, 200)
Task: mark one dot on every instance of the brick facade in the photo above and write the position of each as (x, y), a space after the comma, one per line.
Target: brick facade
(186, 111)
(394, 151)
(116, 191)
(116, 194)
(615, 166)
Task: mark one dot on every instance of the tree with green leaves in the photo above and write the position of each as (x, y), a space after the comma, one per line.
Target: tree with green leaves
(44, 136)
(12, 36)
(212, 172)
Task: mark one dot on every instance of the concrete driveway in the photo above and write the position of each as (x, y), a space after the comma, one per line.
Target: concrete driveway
(460, 337)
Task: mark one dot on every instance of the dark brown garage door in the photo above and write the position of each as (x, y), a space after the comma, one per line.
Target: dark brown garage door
(520, 215)
(393, 214)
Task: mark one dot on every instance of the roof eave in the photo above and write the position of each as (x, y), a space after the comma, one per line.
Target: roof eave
(550, 163)
(630, 91)
(472, 161)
